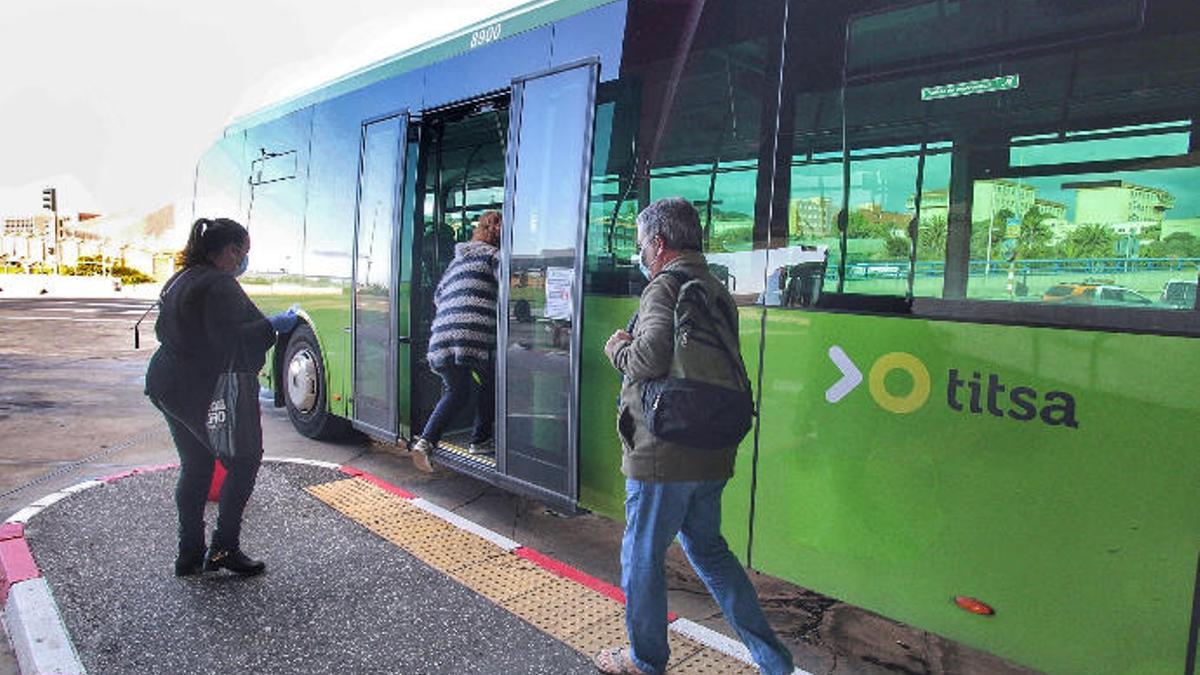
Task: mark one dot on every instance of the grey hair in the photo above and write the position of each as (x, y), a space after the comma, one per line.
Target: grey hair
(675, 220)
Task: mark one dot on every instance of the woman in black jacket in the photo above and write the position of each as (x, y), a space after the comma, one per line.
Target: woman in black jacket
(206, 321)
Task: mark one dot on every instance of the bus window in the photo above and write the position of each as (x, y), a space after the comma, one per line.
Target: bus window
(1031, 170)
(1062, 220)
(896, 194)
(686, 119)
(277, 166)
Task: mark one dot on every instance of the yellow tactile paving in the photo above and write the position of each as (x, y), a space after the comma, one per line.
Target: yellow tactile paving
(570, 612)
(561, 607)
(452, 549)
(502, 579)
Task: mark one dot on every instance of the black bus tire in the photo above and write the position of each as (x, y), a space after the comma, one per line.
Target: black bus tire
(304, 388)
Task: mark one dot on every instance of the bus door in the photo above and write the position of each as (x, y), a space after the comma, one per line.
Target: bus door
(378, 337)
(549, 159)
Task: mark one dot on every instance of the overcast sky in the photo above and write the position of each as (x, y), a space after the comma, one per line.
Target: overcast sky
(112, 102)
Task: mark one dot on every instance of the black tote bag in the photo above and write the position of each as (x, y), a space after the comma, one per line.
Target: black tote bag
(233, 424)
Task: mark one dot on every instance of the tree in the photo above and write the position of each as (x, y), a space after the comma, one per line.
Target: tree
(979, 234)
(896, 247)
(931, 239)
(1089, 240)
(862, 226)
(1175, 245)
(1035, 236)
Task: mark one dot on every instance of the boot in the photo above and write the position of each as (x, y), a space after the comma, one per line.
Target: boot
(189, 564)
(233, 560)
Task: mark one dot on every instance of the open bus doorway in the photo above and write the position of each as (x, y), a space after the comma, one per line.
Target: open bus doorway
(462, 169)
(527, 154)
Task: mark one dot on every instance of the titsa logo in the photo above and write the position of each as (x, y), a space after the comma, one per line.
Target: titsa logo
(852, 377)
(963, 394)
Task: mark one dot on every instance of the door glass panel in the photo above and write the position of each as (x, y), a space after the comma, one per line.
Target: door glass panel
(374, 248)
(551, 160)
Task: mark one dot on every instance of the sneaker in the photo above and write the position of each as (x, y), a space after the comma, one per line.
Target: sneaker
(422, 451)
(482, 447)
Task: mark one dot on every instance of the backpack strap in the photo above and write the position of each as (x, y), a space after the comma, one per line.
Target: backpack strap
(734, 363)
(683, 277)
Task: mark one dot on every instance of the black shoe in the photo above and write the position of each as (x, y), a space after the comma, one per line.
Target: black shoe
(189, 565)
(235, 561)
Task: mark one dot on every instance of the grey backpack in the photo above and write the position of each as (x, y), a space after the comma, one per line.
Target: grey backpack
(705, 400)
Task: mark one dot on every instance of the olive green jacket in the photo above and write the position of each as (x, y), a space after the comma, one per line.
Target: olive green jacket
(646, 457)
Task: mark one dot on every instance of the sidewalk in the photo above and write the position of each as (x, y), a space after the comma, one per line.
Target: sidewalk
(60, 286)
(361, 577)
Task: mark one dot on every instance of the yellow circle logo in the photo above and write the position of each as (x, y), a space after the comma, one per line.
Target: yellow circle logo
(920, 382)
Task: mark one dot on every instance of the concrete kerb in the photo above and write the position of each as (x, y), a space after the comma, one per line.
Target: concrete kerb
(41, 642)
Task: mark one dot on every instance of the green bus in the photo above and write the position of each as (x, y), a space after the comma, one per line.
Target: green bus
(951, 227)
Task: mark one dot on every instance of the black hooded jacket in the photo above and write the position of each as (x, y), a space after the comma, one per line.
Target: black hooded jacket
(205, 323)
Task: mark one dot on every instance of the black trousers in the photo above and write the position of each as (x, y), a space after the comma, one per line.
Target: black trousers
(195, 477)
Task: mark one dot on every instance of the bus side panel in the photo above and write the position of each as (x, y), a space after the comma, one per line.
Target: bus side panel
(602, 486)
(1048, 473)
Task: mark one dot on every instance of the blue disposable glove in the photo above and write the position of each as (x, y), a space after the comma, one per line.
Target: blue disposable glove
(283, 322)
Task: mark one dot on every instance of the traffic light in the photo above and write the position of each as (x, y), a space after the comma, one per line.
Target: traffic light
(50, 199)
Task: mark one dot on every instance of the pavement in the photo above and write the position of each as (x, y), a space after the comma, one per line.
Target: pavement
(71, 410)
(337, 597)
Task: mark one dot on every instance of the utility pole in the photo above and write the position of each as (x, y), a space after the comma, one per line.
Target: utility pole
(50, 201)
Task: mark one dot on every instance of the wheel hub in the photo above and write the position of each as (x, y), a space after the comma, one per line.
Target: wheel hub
(302, 381)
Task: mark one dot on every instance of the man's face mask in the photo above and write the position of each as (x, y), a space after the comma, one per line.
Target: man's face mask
(643, 266)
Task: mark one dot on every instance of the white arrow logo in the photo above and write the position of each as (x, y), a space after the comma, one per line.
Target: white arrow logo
(851, 375)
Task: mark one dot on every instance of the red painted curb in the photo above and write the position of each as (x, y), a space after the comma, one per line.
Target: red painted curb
(579, 576)
(16, 565)
(141, 469)
(377, 481)
(12, 531)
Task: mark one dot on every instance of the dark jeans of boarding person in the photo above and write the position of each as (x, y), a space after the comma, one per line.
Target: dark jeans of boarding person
(457, 384)
(195, 477)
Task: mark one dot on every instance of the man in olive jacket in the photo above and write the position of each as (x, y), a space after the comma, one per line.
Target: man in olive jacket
(670, 488)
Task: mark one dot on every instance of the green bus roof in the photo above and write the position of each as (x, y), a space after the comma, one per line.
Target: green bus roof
(528, 16)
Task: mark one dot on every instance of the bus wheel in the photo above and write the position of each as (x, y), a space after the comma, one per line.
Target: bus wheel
(304, 388)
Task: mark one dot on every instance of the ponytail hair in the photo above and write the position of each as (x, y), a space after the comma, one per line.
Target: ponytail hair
(210, 236)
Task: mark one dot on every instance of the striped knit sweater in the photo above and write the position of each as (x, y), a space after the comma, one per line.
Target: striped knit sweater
(464, 325)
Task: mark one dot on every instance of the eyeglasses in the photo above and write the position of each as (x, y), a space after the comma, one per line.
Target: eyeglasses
(640, 245)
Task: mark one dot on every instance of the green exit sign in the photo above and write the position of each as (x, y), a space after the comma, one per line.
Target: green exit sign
(985, 86)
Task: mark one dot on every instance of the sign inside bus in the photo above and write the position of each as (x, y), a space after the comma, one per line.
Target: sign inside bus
(971, 392)
(985, 86)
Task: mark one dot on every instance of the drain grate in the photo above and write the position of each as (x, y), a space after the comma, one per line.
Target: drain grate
(568, 611)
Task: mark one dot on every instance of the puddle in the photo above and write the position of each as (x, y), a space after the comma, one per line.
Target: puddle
(24, 405)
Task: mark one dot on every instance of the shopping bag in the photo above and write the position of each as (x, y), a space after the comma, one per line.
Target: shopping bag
(233, 423)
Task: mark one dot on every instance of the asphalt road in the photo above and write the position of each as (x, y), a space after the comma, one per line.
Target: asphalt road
(71, 408)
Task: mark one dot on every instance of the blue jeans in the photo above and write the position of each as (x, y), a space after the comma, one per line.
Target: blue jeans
(654, 514)
(456, 393)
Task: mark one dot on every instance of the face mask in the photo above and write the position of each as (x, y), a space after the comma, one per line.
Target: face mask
(241, 268)
(637, 258)
(643, 267)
